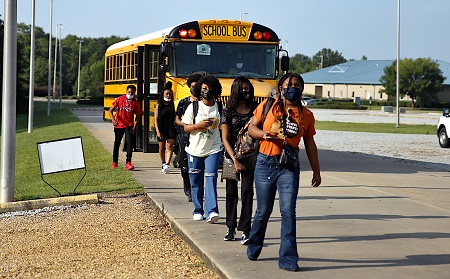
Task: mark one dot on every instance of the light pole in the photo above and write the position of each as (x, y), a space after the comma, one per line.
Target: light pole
(242, 13)
(398, 66)
(8, 121)
(61, 47)
(79, 67)
(58, 30)
(31, 89)
(286, 44)
(49, 83)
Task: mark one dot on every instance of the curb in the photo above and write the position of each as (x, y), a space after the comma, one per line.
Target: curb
(185, 237)
(36, 204)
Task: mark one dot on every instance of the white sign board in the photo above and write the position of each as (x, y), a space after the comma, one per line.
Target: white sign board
(61, 155)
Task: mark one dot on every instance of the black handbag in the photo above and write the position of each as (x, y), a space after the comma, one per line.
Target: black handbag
(229, 170)
(289, 157)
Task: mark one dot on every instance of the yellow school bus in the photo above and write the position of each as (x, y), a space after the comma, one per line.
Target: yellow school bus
(224, 48)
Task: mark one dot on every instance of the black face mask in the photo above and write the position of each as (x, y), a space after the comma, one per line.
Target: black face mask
(244, 95)
(208, 94)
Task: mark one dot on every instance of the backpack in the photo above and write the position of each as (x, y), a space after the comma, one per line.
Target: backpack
(246, 148)
(195, 108)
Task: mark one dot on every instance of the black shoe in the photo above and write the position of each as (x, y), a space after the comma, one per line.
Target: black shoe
(188, 194)
(187, 190)
(230, 235)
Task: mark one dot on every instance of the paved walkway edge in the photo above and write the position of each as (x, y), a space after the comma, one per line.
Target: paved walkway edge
(185, 237)
(36, 204)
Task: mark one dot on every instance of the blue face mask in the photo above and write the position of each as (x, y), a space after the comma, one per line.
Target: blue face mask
(192, 90)
(292, 94)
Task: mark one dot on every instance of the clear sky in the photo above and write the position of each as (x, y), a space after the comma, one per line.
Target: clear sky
(352, 27)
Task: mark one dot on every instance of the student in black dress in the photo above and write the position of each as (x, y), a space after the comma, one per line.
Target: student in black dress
(165, 126)
(235, 115)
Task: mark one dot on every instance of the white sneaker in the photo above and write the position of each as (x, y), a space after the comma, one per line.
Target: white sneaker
(163, 167)
(166, 169)
(197, 217)
(213, 217)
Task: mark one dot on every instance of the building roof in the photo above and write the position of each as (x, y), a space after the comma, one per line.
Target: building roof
(360, 72)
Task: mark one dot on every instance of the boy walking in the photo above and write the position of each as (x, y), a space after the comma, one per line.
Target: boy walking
(124, 122)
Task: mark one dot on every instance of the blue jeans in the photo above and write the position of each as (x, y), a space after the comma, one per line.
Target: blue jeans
(268, 179)
(199, 168)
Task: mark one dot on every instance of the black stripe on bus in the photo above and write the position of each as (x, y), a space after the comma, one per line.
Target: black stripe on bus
(113, 96)
(121, 82)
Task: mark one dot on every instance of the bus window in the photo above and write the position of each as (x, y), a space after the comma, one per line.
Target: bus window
(223, 59)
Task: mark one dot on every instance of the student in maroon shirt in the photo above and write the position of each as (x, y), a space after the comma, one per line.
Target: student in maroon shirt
(126, 107)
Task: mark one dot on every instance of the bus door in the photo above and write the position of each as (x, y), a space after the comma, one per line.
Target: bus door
(148, 70)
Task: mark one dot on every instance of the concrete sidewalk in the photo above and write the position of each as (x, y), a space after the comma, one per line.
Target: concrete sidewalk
(371, 218)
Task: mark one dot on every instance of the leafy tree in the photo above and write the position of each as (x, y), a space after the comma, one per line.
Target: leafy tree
(300, 63)
(92, 61)
(420, 79)
(330, 58)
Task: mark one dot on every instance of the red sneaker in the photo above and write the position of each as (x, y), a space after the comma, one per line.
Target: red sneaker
(114, 165)
(129, 166)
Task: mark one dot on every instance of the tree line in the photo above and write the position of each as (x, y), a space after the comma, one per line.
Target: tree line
(91, 70)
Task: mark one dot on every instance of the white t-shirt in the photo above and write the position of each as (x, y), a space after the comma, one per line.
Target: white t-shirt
(208, 141)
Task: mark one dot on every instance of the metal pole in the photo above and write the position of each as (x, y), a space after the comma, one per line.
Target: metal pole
(8, 152)
(398, 65)
(79, 68)
(54, 64)
(60, 68)
(49, 83)
(31, 89)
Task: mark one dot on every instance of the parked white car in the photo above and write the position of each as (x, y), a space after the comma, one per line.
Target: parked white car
(443, 129)
(307, 101)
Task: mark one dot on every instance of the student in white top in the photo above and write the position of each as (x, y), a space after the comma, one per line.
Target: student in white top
(205, 148)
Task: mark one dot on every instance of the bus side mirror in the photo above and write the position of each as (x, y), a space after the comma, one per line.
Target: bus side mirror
(445, 112)
(165, 49)
(285, 63)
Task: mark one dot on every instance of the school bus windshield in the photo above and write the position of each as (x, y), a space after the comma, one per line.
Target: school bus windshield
(223, 59)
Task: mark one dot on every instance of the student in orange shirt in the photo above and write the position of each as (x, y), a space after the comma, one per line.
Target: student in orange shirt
(286, 122)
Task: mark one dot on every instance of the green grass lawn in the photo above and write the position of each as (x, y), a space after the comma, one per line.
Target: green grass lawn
(59, 125)
(376, 127)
